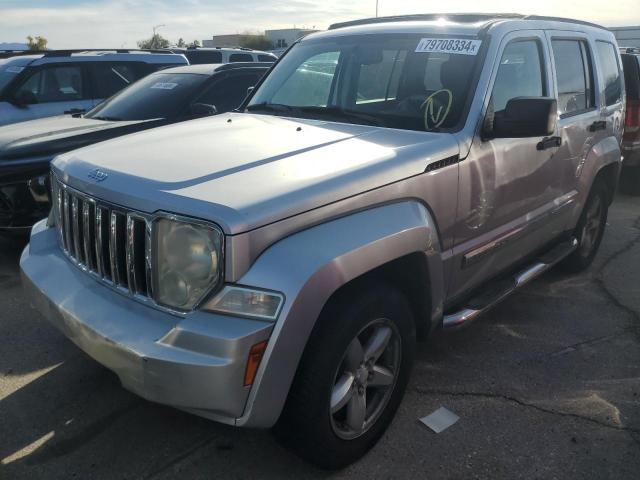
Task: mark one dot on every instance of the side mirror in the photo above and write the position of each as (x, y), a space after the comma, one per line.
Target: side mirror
(524, 117)
(24, 98)
(203, 109)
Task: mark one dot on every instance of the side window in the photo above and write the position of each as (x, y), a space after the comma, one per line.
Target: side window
(54, 84)
(228, 93)
(113, 77)
(266, 58)
(310, 83)
(574, 76)
(378, 78)
(240, 57)
(520, 73)
(611, 72)
(203, 56)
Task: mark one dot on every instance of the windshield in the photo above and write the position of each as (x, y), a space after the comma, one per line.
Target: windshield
(412, 82)
(160, 95)
(7, 74)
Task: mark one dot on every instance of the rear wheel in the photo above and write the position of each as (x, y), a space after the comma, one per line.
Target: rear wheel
(590, 229)
(351, 378)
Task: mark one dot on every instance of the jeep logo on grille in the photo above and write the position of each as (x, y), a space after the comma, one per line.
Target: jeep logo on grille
(98, 175)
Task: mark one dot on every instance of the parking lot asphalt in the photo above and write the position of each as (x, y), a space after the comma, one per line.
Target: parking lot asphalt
(547, 386)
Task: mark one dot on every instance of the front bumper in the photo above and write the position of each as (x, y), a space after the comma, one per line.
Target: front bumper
(194, 362)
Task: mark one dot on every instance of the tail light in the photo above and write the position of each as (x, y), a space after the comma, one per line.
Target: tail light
(632, 120)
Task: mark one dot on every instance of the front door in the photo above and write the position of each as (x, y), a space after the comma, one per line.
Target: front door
(508, 186)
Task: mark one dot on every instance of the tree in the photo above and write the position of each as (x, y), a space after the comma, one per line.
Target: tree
(256, 42)
(194, 44)
(156, 41)
(181, 43)
(38, 43)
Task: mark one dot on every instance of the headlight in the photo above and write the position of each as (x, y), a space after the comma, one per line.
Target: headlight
(188, 261)
(246, 302)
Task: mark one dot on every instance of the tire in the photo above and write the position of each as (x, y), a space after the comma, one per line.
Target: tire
(331, 377)
(630, 181)
(590, 230)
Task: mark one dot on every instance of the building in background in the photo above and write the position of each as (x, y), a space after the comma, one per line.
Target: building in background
(233, 40)
(627, 36)
(284, 37)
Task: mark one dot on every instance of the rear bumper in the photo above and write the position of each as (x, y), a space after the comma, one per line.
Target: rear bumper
(194, 363)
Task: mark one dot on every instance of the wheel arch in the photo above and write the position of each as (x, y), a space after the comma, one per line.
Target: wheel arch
(391, 242)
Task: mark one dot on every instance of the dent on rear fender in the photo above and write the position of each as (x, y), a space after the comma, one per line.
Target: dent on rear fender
(310, 266)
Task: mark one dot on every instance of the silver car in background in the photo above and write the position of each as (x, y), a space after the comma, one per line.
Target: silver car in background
(388, 177)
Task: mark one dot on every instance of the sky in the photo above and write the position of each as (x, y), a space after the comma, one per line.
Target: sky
(121, 23)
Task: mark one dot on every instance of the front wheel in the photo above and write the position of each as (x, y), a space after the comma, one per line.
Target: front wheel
(590, 230)
(351, 378)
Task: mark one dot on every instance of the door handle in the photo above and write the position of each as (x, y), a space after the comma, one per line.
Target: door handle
(598, 125)
(549, 142)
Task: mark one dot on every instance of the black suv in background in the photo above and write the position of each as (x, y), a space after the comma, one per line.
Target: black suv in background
(168, 96)
(630, 178)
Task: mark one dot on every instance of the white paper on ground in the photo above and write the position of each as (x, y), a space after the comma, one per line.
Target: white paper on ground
(440, 420)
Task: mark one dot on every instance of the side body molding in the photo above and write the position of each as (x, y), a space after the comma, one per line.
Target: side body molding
(309, 266)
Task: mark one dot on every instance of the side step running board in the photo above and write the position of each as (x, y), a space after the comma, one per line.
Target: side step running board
(498, 291)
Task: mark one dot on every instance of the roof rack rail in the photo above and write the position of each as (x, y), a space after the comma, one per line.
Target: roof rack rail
(459, 17)
(235, 65)
(18, 53)
(69, 52)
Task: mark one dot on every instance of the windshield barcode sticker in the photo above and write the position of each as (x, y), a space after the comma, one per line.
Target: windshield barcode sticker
(164, 86)
(460, 46)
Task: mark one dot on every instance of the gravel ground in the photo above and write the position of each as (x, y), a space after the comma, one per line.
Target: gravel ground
(547, 385)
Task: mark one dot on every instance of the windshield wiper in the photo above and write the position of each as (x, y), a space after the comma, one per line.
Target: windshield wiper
(344, 113)
(270, 107)
(107, 119)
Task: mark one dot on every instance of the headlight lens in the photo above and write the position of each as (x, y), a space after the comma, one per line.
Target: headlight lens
(246, 302)
(188, 257)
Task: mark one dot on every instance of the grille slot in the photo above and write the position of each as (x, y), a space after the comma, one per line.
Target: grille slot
(107, 241)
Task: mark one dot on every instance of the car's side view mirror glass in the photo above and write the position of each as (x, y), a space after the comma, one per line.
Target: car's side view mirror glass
(203, 109)
(24, 98)
(522, 117)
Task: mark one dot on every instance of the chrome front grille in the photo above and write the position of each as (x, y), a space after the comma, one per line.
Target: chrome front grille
(108, 241)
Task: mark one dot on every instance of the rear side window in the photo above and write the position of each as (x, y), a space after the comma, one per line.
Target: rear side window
(240, 57)
(610, 72)
(520, 73)
(113, 77)
(199, 57)
(54, 84)
(266, 58)
(574, 76)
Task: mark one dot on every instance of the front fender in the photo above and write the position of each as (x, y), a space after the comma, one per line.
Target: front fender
(311, 265)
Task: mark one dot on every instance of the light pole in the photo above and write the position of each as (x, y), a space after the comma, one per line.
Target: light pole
(156, 27)
(377, 8)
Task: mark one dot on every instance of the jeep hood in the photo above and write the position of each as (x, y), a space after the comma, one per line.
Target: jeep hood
(49, 136)
(244, 171)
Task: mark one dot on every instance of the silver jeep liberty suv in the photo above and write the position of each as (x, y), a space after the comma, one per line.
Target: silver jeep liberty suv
(388, 177)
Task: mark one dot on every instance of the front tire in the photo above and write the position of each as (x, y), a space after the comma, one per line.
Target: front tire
(590, 230)
(351, 378)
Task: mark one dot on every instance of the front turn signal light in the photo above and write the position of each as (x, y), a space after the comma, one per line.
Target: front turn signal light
(253, 362)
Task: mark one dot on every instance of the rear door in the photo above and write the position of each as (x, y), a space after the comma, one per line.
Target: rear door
(579, 122)
(52, 90)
